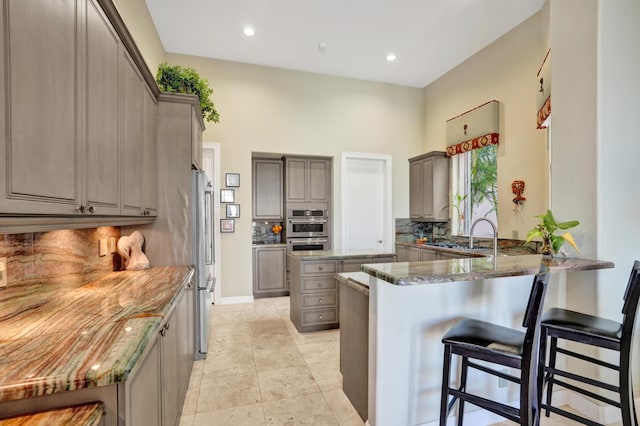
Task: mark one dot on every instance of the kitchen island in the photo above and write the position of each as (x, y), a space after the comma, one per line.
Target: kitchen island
(412, 305)
(66, 342)
(314, 299)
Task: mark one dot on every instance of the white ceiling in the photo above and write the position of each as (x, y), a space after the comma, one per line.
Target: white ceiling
(429, 37)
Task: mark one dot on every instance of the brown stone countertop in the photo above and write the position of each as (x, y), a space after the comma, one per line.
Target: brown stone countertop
(338, 254)
(81, 335)
(77, 415)
(476, 268)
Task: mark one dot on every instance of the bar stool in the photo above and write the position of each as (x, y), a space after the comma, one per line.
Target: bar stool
(484, 341)
(595, 331)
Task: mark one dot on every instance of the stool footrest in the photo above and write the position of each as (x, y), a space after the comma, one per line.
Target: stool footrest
(597, 383)
(569, 415)
(494, 372)
(503, 410)
(588, 358)
(586, 393)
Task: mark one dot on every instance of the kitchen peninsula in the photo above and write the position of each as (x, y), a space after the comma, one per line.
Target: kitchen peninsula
(412, 305)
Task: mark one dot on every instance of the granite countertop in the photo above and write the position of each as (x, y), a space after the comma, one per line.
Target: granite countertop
(80, 415)
(81, 335)
(358, 281)
(338, 254)
(475, 268)
(479, 251)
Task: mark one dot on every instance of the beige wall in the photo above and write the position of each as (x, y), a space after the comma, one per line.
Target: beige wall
(265, 109)
(504, 71)
(138, 20)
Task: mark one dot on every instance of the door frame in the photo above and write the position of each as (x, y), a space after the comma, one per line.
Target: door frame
(389, 226)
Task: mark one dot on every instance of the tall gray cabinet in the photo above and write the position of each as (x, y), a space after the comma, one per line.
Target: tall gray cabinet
(429, 187)
(267, 189)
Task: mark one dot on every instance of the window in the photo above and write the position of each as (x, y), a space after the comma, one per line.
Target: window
(475, 190)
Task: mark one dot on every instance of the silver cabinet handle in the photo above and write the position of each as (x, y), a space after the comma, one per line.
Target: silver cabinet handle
(320, 300)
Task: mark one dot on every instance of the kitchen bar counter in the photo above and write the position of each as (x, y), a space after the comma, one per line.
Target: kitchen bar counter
(80, 335)
(469, 269)
(79, 415)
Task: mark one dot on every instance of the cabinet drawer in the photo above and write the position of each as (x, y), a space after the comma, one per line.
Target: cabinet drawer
(310, 268)
(320, 316)
(318, 284)
(319, 299)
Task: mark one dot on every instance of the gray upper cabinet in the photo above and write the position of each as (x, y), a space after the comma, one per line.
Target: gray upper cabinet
(267, 189)
(307, 180)
(78, 112)
(196, 141)
(429, 187)
(41, 133)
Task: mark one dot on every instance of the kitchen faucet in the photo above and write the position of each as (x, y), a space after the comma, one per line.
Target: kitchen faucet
(495, 235)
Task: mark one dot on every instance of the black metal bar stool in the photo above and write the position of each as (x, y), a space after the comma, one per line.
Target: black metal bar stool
(479, 340)
(560, 323)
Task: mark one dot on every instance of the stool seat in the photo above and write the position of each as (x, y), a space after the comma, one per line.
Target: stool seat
(482, 334)
(580, 323)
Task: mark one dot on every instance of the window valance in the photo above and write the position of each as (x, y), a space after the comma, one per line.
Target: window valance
(543, 97)
(474, 129)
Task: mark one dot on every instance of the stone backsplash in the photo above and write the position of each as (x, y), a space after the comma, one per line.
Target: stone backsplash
(56, 253)
(262, 233)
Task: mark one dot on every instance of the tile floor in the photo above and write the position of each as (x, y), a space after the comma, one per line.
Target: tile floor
(261, 371)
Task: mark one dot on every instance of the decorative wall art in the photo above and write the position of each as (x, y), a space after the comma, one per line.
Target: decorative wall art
(232, 179)
(233, 210)
(227, 225)
(227, 196)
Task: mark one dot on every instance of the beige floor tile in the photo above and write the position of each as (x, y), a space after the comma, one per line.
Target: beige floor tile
(217, 393)
(247, 415)
(196, 370)
(267, 326)
(230, 343)
(326, 374)
(229, 363)
(187, 420)
(271, 341)
(317, 337)
(278, 356)
(228, 316)
(191, 398)
(222, 329)
(307, 410)
(270, 313)
(320, 352)
(342, 409)
(286, 383)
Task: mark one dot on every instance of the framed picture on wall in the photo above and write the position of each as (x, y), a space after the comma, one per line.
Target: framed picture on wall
(227, 225)
(232, 179)
(233, 210)
(227, 195)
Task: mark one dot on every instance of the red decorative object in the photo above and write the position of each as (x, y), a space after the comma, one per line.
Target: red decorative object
(479, 142)
(517, 187)
(544, 113)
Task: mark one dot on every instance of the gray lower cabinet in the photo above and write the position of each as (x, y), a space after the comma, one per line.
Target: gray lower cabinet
(314, 294)
(269, 271)
(417, 254)
(354, 264)
(414, 254)
(428, 255)
(155, 393)
(402, 252)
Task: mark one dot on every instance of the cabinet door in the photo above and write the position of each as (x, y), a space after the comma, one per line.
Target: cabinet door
(170, 386)
(352, 265)
(319, 186)
(102, 191)
(196, 140)
(402, 252)
(269, 270)
(185, 344)
(144, 391)
(416, 189)
(427, 188)
(415, 254)
(296, 177)
(429, 255)
(267, 189)
(150, 154)
(40, 139)
(132, 136)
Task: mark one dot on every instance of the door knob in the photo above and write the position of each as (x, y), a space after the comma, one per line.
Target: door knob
(379, 241)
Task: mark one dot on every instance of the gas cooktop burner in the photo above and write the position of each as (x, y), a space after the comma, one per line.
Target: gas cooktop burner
(455, 246)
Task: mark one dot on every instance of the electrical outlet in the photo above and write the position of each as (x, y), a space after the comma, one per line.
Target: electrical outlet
(103, 247)
(3, 272)
(112, 244)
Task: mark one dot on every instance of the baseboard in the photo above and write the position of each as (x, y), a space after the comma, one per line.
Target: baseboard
(236, 299)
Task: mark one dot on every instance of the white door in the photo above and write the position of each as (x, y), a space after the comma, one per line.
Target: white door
(366, 202)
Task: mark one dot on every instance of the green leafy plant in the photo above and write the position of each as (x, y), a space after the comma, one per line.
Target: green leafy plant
(546, 229)
(176, 79)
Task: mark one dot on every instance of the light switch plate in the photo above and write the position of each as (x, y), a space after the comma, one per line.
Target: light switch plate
(3, 272)
(103, 247)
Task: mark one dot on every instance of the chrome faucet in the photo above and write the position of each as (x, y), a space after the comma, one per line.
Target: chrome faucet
(495, 234)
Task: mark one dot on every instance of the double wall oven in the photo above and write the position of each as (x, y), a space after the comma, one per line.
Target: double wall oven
(307, 230)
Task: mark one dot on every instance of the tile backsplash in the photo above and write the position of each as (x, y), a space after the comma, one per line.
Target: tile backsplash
(56, 253)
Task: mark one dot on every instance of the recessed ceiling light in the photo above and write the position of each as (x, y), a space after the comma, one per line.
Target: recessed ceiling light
(322, 46)
(248, 31)
(391, 57)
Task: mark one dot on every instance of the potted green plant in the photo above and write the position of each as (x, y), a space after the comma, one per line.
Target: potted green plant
(546, 229)
(176, 79)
